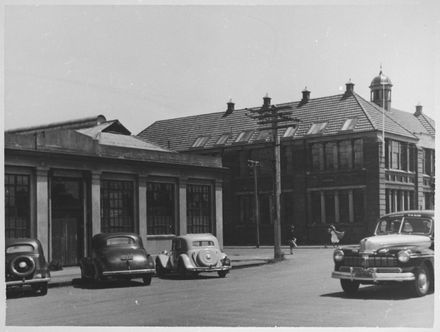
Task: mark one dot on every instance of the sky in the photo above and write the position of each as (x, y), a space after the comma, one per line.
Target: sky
(144, 63)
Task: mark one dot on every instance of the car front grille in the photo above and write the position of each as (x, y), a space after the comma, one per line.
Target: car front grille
(371, 261)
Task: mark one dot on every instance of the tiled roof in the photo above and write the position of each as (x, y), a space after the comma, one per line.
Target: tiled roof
(427, 123)
(180, 133)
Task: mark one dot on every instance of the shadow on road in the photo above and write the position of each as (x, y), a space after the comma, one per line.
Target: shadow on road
(90, 284)
(189, 277)
(379, 292)
(19, 292)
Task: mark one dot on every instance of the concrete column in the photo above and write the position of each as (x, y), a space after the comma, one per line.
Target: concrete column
(143, 209)
(182, 207)
(219, 212)
(420, 198)
(43, 210)
(337, 215)
(96, 203)
(350, 206)
(323, 221)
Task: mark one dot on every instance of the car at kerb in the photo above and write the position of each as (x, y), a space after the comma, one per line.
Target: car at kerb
(26, 265)
(192, 254)
(117, 256)
(400, 251)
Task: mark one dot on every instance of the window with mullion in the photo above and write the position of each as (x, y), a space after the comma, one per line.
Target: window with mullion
(17, 206)
(117, 206)
(160, 208)
(199, 208)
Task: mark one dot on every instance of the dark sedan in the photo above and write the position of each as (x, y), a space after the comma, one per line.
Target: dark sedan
(117, 256)
(26, 265)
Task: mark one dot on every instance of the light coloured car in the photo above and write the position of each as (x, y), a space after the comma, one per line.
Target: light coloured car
(192, 254)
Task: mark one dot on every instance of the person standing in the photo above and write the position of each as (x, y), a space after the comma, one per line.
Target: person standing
(335, 236)
(292, 241)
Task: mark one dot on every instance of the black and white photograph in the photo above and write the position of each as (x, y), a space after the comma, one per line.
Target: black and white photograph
(219, 165)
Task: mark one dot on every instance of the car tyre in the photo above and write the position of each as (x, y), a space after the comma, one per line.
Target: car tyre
(43, 289)
(182, 270)
(350, 287)
(422, 283)
(147, 279)
(222, 274)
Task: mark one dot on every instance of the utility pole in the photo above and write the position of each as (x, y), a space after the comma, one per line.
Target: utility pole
(255, 164)
(273, 116)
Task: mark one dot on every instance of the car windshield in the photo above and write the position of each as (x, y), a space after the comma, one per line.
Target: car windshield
(407, 225)
(20, 248)
(120, 241)
(203, 243)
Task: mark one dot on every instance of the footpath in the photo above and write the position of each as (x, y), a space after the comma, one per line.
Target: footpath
(241, 257)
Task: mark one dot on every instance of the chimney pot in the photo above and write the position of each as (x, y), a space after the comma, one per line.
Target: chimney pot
(266, 101)
(349, 87)
(305, 95)
(419, 109)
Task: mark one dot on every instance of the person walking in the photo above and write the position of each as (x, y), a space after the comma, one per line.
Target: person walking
(292, 241)
(335, 236)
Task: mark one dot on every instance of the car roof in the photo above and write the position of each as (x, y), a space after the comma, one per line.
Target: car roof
(104, 236)
(22, 240)
(409, 213)
(198, 236)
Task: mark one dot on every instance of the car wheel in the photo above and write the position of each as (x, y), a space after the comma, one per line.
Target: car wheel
(350, 287)
(182, 270)
(43, 289)
(222, 274)
(147, 279)
(422, 282)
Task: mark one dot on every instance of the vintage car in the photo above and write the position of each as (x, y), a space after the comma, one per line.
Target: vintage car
(26, 265)
(191, 254)
(401, 250)
(117, 256)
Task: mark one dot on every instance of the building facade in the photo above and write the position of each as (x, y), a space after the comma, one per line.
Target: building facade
(346, 162)
(68, 181)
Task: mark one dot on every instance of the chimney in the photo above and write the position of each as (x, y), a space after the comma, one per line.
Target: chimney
(349, 88)
(230, 108)
(266, 101)
(419, 109)
(306, 96)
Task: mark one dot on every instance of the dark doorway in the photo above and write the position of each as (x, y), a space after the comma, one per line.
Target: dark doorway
(67, 220)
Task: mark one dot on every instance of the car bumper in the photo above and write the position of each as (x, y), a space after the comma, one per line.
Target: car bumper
(26, 282)
(373, 274)
(128, 272)
(209, 269)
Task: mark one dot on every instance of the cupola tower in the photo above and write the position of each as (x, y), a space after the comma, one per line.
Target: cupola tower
(381, 90)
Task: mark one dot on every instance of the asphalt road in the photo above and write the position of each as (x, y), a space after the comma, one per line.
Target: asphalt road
(297, 292)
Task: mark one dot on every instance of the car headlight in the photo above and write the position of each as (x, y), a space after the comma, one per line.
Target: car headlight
(403, 256)
(338, 255)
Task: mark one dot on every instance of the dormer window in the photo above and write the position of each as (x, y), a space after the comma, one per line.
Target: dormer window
(244, 136)
(317, 128)
(264, 135)
(290, 131)
(200, 141)
(349, 124)
(222, 139)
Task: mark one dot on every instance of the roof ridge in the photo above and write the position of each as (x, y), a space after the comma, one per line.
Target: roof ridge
(428, 120)
(363, 109)
(390, 118)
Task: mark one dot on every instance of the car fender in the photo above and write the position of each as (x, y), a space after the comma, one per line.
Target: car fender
(163, 260)
(186, 261)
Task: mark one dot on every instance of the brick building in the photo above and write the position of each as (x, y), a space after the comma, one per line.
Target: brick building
(67, 181)
(335, 168)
